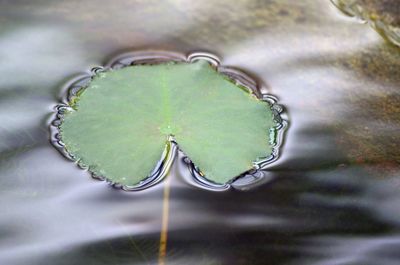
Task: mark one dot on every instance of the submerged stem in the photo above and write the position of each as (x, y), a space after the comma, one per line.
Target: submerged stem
(164, 225)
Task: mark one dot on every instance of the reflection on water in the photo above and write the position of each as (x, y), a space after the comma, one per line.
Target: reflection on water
(383, 16)
(332, 198)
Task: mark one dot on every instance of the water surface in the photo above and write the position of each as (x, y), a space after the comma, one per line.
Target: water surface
(332, 198)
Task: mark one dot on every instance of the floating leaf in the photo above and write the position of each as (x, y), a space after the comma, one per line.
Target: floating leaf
(120, 124)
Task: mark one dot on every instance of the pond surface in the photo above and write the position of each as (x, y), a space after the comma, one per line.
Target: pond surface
(333, 197)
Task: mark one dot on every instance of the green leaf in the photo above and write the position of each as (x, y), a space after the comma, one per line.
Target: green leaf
(120, 124)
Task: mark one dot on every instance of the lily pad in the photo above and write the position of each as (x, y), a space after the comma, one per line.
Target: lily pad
(122, 122)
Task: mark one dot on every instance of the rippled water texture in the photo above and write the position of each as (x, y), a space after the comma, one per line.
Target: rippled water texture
(332, 198)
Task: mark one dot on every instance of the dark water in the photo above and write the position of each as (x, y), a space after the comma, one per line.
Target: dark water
(332, 198)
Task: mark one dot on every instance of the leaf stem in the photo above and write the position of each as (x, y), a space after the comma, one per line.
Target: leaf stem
(164, 226)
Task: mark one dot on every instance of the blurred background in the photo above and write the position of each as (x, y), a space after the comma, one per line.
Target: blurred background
(333, 197)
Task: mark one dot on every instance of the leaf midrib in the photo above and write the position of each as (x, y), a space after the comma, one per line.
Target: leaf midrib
(165, 101)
